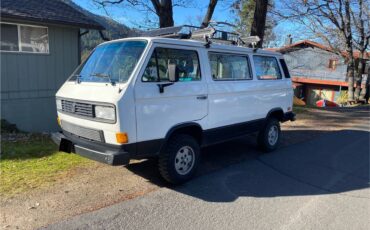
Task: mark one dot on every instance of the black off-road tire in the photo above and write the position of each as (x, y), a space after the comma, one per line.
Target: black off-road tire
(166, 161)
(263, 135)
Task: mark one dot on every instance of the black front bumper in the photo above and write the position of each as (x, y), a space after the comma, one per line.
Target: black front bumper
(105, 153)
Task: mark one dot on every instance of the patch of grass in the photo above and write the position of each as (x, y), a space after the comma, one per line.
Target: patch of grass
(33, 162)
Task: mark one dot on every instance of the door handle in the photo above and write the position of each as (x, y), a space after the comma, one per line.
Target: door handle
(202, 97)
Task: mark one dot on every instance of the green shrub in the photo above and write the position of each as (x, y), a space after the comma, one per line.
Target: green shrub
(343, 97)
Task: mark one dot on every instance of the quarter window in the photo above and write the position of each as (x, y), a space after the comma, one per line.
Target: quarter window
(267, 68)
(187, 63)
(24, 38)
(229, 67)
(285, 68)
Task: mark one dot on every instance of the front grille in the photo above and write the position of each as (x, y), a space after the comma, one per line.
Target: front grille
(87, 133)
(78, 108)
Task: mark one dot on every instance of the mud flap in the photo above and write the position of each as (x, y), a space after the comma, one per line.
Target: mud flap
(65, 146)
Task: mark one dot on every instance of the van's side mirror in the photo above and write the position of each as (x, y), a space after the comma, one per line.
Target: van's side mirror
(173, 72)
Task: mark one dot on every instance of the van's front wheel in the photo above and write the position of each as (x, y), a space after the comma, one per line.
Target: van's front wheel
(179, 160)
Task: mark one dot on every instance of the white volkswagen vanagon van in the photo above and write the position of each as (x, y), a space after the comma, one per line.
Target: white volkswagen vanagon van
(162, 97)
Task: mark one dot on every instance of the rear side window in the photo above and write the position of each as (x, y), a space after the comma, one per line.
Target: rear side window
(285, 68)
(186, 61)
(229, 67)
(267, 68)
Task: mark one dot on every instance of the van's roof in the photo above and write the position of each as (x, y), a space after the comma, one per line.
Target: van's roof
(197, 43)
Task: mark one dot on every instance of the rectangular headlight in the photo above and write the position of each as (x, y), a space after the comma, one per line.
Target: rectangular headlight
(59, 104)
(105, 112)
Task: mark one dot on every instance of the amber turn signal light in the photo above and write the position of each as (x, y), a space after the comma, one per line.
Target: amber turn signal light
(121, 138)
(59, 121)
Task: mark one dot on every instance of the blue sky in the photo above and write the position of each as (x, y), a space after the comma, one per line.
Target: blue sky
(182, 15)
(191, 14)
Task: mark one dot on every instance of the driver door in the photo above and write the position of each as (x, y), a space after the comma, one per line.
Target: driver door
(183, 101)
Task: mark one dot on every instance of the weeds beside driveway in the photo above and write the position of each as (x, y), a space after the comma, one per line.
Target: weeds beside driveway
(33, 161)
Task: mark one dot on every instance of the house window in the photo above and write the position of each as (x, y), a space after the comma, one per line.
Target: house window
(333, 64)
(24, 38)
(9, 37)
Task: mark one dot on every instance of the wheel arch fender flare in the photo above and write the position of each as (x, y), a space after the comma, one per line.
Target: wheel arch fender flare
(277, 113)
(186, 127)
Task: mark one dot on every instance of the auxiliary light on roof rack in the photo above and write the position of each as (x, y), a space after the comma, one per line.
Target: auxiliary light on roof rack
(209, 35)
(250, 40)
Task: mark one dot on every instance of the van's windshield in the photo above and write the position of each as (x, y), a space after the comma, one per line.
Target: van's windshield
(112, 62)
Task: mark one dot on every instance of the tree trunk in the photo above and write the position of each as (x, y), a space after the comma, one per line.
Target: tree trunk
(259, 20)
(350, 77)
(349, 48)
(207, 18)
(363, 45)
(365, 85)
(166, 14)
(360, 71)
(164, 11)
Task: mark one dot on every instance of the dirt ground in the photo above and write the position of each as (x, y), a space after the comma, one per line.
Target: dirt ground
(101, 185)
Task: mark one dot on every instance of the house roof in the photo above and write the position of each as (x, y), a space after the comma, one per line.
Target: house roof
(46, 11)
(308, 43)
(307, 80)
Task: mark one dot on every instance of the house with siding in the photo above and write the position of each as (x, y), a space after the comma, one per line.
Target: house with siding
(317, 71)
(39, 48)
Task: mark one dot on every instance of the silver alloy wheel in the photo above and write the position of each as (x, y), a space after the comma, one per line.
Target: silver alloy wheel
(184, 160)
(273, 135)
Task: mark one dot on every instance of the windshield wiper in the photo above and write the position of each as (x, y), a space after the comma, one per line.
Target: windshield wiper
(103, 75)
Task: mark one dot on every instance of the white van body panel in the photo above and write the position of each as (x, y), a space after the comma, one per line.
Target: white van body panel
(103, 92)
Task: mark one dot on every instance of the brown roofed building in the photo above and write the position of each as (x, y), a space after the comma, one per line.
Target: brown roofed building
(317, 71)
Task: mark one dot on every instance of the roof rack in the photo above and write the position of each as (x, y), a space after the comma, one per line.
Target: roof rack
(170, 32)
(209, 35)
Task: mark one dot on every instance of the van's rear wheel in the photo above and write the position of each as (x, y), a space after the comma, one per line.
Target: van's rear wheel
(179, 160)
(269, 136)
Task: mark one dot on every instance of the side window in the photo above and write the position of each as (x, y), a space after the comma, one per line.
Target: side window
(229, 67)
(267, 68)
(187, 63)
(151, 70)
